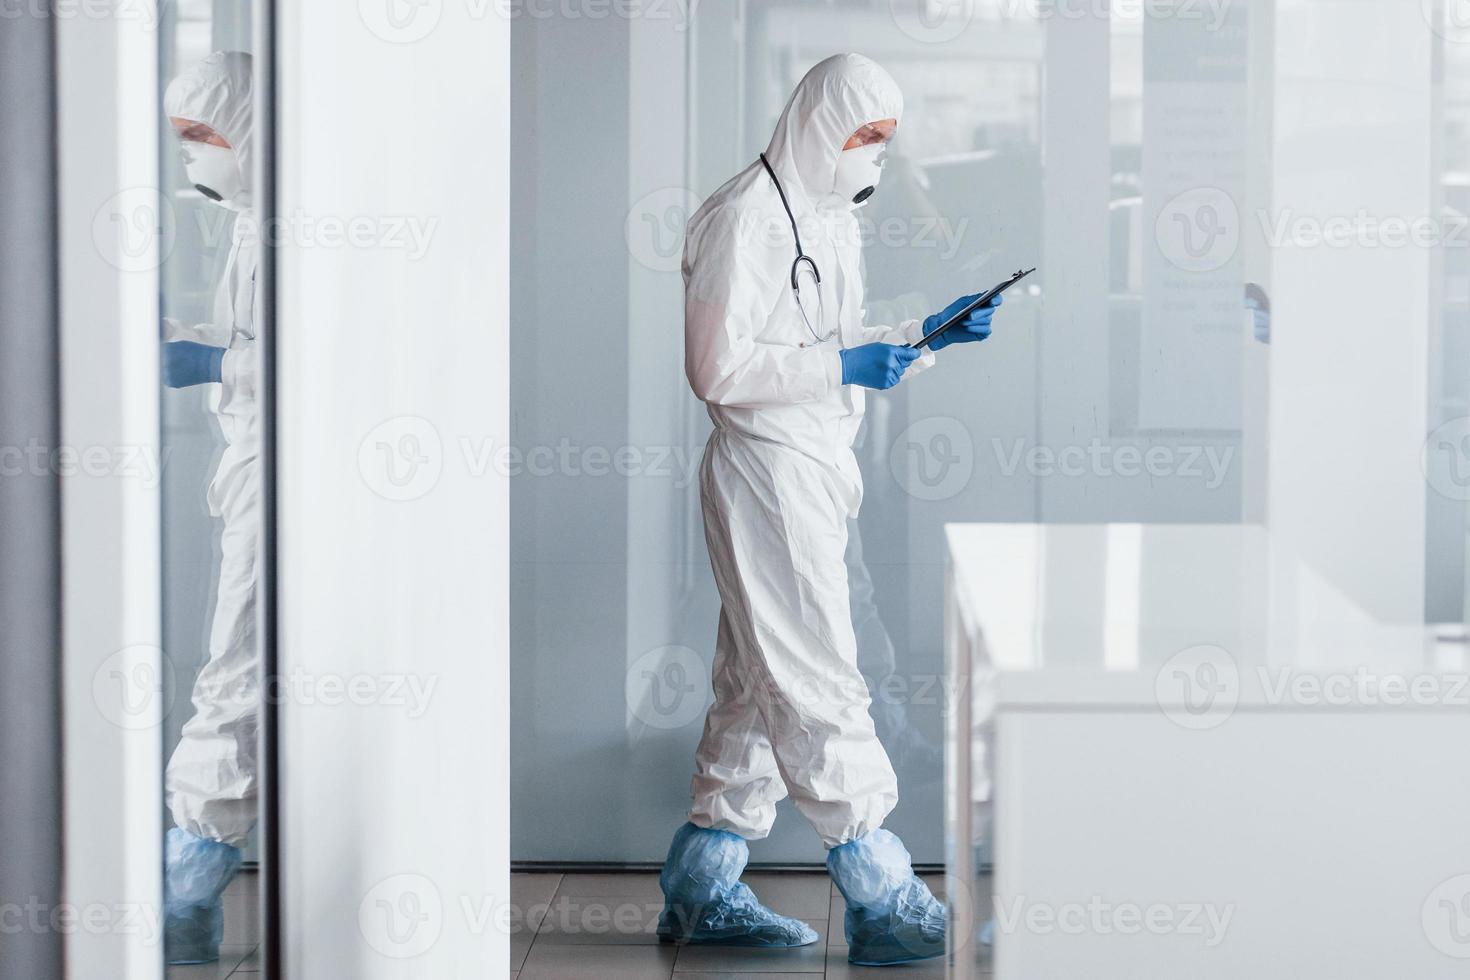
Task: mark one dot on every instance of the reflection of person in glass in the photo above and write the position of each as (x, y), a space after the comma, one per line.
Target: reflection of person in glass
(211, 782)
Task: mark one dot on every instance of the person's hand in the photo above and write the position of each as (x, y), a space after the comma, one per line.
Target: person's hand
(971, 329)
(186, 363)
(876, 365)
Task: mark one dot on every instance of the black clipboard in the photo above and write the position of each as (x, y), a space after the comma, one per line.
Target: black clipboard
(984, 298)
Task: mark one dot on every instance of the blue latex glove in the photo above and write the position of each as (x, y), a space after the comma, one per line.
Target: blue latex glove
(186, 363)
(973, 328)
(876, 365)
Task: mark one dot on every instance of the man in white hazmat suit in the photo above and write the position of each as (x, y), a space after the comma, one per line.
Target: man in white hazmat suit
(777, 347)
(212, 778)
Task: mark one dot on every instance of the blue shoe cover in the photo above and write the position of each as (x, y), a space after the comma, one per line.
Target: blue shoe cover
(196, 872)
(891, 916)
(704, 901)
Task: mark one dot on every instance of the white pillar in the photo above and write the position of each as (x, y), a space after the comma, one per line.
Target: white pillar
(1350, 319)
(110, 252)
(393, 385)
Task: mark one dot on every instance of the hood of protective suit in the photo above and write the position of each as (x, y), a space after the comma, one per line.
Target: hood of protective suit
(751, 351)
(217, 92)
(839, 96)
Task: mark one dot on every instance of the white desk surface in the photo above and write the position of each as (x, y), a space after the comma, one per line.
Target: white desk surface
(1125, 614)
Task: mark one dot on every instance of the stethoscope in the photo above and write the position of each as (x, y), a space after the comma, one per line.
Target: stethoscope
(803, 264)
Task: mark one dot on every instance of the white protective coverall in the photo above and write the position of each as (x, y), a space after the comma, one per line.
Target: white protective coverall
(779, 480)
(212, 778)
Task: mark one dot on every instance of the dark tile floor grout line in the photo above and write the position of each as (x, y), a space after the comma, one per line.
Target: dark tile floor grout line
(235, 971)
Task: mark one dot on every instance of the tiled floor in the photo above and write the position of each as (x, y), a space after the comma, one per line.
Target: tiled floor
(239, 956)
(601, 926)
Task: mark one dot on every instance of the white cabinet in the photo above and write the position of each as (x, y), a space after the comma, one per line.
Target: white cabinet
(1199, 760)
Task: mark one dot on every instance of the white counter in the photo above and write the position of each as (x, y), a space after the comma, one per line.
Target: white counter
(1201, 758)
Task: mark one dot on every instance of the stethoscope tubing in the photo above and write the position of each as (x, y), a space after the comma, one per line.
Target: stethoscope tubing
(801, 258)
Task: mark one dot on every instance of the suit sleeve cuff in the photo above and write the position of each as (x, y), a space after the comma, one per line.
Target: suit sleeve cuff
(237, 370)
(834, 367)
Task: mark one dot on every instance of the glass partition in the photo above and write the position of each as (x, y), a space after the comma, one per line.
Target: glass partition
(212, 488)
(1164, 365)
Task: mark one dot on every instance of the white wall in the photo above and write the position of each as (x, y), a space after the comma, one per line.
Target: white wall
(393, 548)
(109, 378)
